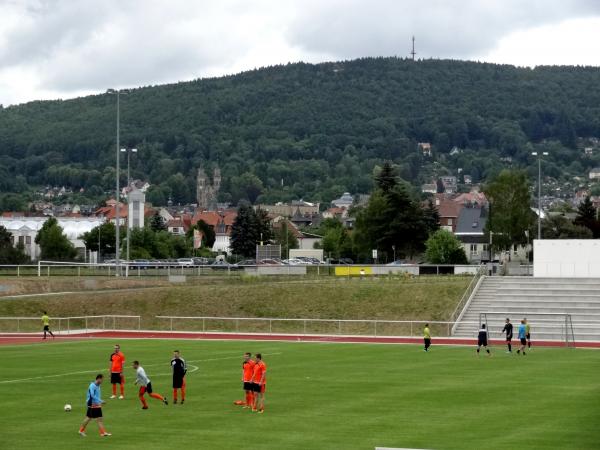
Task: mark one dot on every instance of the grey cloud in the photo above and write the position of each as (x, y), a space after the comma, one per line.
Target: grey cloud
(445, 29)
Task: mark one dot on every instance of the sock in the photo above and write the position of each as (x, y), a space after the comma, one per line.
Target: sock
(114, 388)
(102, 430)
(509, 348)
(183, 391)
(82, 428)
(477, 350)
(157, 396)
(487, 350)
(143, 400)
(123, 386)
(174, 394)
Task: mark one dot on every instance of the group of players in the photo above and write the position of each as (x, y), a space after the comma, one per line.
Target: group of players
(482, 337)
(254, 379)
(116, 365)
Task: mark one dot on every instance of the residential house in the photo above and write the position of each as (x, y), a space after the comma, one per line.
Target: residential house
(429, 188)
(448, 210)
(450, 183)
(177, 227)
(345, 201)
(425, 148)
(221, 222)
(595, 173)
(288, 210)
(470, 232)
(468, 179)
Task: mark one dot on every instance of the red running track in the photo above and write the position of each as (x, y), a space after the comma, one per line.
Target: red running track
(28, 338)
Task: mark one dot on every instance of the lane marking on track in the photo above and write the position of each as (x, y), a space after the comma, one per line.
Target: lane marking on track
(43, 377)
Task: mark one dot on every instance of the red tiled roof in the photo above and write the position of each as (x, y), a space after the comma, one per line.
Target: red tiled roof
(449, 208)
(212, 218)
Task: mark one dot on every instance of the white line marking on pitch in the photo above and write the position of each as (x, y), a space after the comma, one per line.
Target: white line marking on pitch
(100, 370)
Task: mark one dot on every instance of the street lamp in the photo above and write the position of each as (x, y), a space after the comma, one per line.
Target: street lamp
(539, 158)
(118, 93)
(129, 151)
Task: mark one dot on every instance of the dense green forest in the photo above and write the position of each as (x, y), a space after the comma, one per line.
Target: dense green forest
(307, 131)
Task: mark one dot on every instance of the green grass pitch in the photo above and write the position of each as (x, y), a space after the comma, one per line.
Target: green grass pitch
(320, 396)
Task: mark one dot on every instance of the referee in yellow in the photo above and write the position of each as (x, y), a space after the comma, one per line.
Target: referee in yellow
(46, 323)
(427, 337)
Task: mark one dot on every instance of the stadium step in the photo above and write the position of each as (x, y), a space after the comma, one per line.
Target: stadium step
(535, 298)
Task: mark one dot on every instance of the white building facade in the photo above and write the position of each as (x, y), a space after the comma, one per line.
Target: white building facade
(25, 229)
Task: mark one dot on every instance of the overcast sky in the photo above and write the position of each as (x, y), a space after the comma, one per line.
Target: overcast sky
(66, 48)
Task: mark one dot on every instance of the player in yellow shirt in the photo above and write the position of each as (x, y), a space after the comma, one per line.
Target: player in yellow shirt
(46, 323)
(427, 337)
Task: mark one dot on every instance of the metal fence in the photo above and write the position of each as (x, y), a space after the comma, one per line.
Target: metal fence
(169, 268)
(66, 325)
(322, 327)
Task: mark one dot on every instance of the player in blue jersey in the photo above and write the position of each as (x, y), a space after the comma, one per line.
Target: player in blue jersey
(94, 407)
(522, 337)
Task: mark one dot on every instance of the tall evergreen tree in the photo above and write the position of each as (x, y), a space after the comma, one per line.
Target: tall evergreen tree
(587, 217)
(248, 230)
(157, 223)
(387, 178)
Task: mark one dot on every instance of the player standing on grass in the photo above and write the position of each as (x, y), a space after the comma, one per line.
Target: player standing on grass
(528, 333)
(145, 385)
(179, 370)
(427, 337)
(508, 329)
(522, 337)
(482, 339)
(247, 375)
(259, 380)
(94, 407)
(117, 360)
(46, 323)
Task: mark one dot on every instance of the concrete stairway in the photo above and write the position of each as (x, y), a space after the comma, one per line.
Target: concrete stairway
(518, 297)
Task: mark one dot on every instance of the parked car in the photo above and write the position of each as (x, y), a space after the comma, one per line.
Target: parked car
(270, 262)
(246, 263)
(200, 261)
(140, 264)
(294, 262)
(185, 261)
(223, 265)
(398, 262)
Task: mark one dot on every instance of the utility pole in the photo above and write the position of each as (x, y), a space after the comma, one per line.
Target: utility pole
(412, 52)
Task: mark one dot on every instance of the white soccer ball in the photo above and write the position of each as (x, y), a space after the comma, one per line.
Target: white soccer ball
(68, 408)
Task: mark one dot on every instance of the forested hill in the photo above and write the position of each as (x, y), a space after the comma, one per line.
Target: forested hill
(310, 131)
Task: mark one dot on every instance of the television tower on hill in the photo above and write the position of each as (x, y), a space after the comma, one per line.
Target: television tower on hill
(412, 52)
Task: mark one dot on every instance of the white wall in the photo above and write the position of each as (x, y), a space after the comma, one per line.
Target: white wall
(566, 258)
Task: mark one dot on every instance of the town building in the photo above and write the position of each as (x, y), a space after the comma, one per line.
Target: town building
(207, 191)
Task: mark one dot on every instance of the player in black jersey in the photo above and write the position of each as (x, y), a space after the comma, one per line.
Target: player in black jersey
(482, 339)
(508, 329)
(179, 370)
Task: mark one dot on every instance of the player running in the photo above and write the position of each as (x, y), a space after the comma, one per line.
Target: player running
(482, 340)
(508, 329)
(115, 366)
(427, 337)
(46, 323)
(522, 337)
(145, 385)
(259, 381)
(94, 407)
(179, 370)
(528, 333)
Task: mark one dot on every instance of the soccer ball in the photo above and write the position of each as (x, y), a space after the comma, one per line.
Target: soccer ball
(67, 408)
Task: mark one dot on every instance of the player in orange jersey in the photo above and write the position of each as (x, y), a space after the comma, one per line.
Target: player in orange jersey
(259, 384)
(117, 359)
(247, 374)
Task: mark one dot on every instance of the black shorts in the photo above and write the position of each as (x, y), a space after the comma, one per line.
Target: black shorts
(94, 413)
(255, 387)
(427, 341)
(248, 386)
(149, 388)
(177, 382)
(523, 341)
(509, 338)
(115, 378)
(482, 342)
(46, 328)
(528, 336)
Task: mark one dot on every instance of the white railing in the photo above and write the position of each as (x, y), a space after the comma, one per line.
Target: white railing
(467, 296)
(72, 323)
(327, 327)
